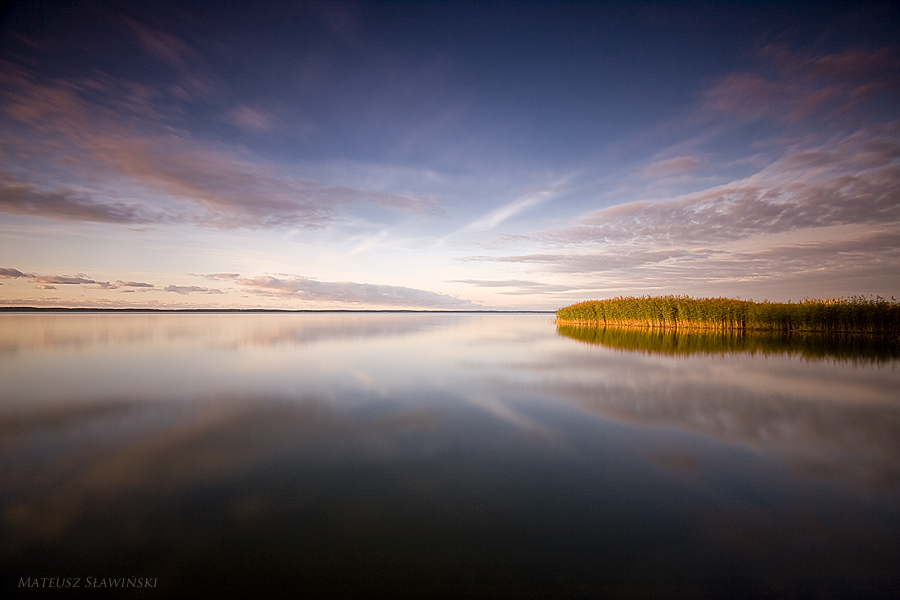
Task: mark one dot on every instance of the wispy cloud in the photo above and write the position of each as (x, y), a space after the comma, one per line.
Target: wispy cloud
(784, 197)
(532, 197)
(518, 287)
(170, 175)
(105, 303)
(855, 263)
(78, 279)
(612, 259)
(191, 289)
(795, 86)
(317, 293)
(65, 280)
(671, 166)
(834, 190)
(49, 282)
(26, 199)
(192, 75)
(252, 120)
(346, 292)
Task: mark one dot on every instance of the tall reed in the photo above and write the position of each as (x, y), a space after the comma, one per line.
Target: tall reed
(854, 314)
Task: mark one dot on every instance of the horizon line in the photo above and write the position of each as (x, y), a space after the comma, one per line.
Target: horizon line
(257, 310)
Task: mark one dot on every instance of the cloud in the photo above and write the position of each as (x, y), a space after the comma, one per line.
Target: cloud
(114, 149)
(861, 262)
(66, 280)
(189, 289)
(104, 303)
(671, 166)
(611, 260)
(867, 149)
(191, 73)
(218, 189)
(853, 180)
(834, 188)
(162, 46)
(8, 273)
(854, 65)
(252, 120)
(797, 85)
(522, 287)
(25, 199)
(48, 281)
(351, 293)
(839, 199)
(225, 276)
(531, 198)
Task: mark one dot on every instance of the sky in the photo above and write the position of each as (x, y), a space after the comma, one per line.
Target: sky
(446, 155)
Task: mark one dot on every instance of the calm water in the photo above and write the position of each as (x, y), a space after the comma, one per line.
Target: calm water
(357, 455)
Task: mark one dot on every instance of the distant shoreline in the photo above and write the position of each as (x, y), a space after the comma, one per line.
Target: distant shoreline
(43, 309)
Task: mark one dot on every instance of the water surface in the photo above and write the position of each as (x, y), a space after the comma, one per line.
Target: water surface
(457, 455)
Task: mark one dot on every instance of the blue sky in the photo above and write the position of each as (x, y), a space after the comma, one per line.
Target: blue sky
(515, 155)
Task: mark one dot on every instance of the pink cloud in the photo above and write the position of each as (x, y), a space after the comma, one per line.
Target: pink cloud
(799, 85)
(189, 289)
(849, 180)
(48, 282)
(27, 199)
(349, 292)
(252, 120)
(671, 166)
(65, 280)
(187, 181)
(187, 63)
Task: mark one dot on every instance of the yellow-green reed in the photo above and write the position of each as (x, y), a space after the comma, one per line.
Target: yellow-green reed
(855, 314)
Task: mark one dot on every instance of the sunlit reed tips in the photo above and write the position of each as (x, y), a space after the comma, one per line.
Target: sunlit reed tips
(856, 314)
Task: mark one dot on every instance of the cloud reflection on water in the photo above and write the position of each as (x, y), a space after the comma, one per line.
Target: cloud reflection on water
(821, 420)
(423, 443)
(821, 416)
(61, 460)
(219, 330)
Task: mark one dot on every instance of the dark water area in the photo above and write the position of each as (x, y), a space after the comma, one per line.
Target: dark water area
(438, 455)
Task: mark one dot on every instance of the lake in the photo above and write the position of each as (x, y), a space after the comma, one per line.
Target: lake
(438, 454)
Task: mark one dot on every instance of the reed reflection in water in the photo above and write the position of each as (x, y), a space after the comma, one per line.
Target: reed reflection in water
(674, 342)
(363, 455)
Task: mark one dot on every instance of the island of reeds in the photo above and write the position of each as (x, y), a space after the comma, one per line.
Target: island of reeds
(850, 315)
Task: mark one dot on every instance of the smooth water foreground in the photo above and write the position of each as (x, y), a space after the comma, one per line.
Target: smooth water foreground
(456, 455)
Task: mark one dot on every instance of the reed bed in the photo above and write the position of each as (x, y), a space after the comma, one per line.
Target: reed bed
(856, 314)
